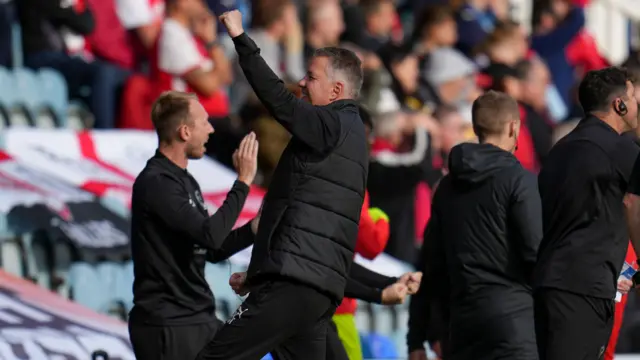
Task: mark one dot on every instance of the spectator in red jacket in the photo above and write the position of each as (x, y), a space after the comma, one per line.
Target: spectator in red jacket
(373, 234)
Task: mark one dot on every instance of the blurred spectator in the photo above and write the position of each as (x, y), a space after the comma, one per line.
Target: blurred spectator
(218, 7)
(632, 64)
(453, 77)
(6, 19)
(507, 45)
(556, 23)
(402, 64)
(435, 28)
(453, 130)
(379, 19)
(54, 36)
(535, 80)
(275, 23)
(391, 163)
(324, 26)
(110, 40)
(143, 20)
(188, 58)
(476, 19)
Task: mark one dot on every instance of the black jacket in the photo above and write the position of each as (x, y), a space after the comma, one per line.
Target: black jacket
(478, 256)
(172, 237)
(311, 212)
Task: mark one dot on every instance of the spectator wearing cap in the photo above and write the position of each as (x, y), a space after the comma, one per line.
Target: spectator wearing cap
(453, 77)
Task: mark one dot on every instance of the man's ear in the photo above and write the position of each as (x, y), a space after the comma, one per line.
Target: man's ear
(184, 132)
(338, 90)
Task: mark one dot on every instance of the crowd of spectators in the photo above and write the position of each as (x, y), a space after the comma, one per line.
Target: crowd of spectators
(425, 61)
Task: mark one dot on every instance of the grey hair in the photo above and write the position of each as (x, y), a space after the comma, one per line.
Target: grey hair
(345, 64)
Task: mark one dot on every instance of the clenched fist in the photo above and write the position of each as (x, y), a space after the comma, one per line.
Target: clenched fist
(232, 20)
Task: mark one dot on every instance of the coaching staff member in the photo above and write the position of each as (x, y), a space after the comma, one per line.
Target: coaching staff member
(582, 185)
(173, 235)
(305, 245)
(481, 245)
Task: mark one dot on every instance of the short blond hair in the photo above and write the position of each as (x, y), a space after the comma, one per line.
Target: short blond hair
(491, 111)
(169, 111)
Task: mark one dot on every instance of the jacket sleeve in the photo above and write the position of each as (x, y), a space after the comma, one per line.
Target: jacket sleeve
(316, 126)
(525, 213)
(372, 234)
(166, 198)
(357, 290)
(426, 310)
(370, 278)
(238, 240)
(558, 39)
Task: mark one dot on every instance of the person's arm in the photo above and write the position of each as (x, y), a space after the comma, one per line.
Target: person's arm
(238, 240)
(316, 126)
(425, 315)
(370, 278)
(82, 23)
(137, 16)
(357, 290)
(166, 198)
(525, 213)
(561, 36)
(207, 82)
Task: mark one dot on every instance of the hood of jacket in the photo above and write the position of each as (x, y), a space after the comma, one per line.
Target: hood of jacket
(475, 163)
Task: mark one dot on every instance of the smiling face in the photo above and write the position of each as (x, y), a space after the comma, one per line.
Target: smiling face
(317, 87)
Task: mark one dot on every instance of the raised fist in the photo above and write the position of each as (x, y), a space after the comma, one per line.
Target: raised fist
(232, 20)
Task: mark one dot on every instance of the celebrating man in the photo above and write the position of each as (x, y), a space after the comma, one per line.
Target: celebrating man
(304, 248)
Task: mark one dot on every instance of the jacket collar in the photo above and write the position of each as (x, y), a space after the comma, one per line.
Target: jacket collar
(168, 165)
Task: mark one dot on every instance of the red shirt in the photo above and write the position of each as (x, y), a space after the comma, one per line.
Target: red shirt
(526, 152)
(176, 53)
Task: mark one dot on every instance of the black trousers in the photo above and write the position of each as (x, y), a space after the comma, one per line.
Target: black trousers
(335, 349)
(285, 318)
(170, 342)
(571, 326)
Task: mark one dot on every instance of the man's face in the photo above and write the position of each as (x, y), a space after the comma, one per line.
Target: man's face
(197, 132)
(534, 87)
(317, 87)
(631, 117)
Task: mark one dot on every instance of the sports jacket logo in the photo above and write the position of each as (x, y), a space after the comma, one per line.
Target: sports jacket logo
(238, 314)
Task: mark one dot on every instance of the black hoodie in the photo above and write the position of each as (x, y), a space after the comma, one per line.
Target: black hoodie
(478, 255)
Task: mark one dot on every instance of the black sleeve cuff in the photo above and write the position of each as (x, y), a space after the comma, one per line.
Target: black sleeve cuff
(241, 187)
(245, 45)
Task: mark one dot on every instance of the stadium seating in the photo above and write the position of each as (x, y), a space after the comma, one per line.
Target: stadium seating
(86, 287)
(29, 98)
(55, 97)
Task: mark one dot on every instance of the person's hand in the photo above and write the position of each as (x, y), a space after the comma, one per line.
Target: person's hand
(418, 355)
(394, 294)
(624, 285)
(232, 20)
(437, 349)
(205, 27)
(245, 159)
(236, 281)
(412, 281)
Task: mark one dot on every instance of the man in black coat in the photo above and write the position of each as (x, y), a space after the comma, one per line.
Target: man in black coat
(304, 248)
(480, 247)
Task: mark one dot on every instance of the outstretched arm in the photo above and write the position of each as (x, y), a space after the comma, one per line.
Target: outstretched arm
(316, 126)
